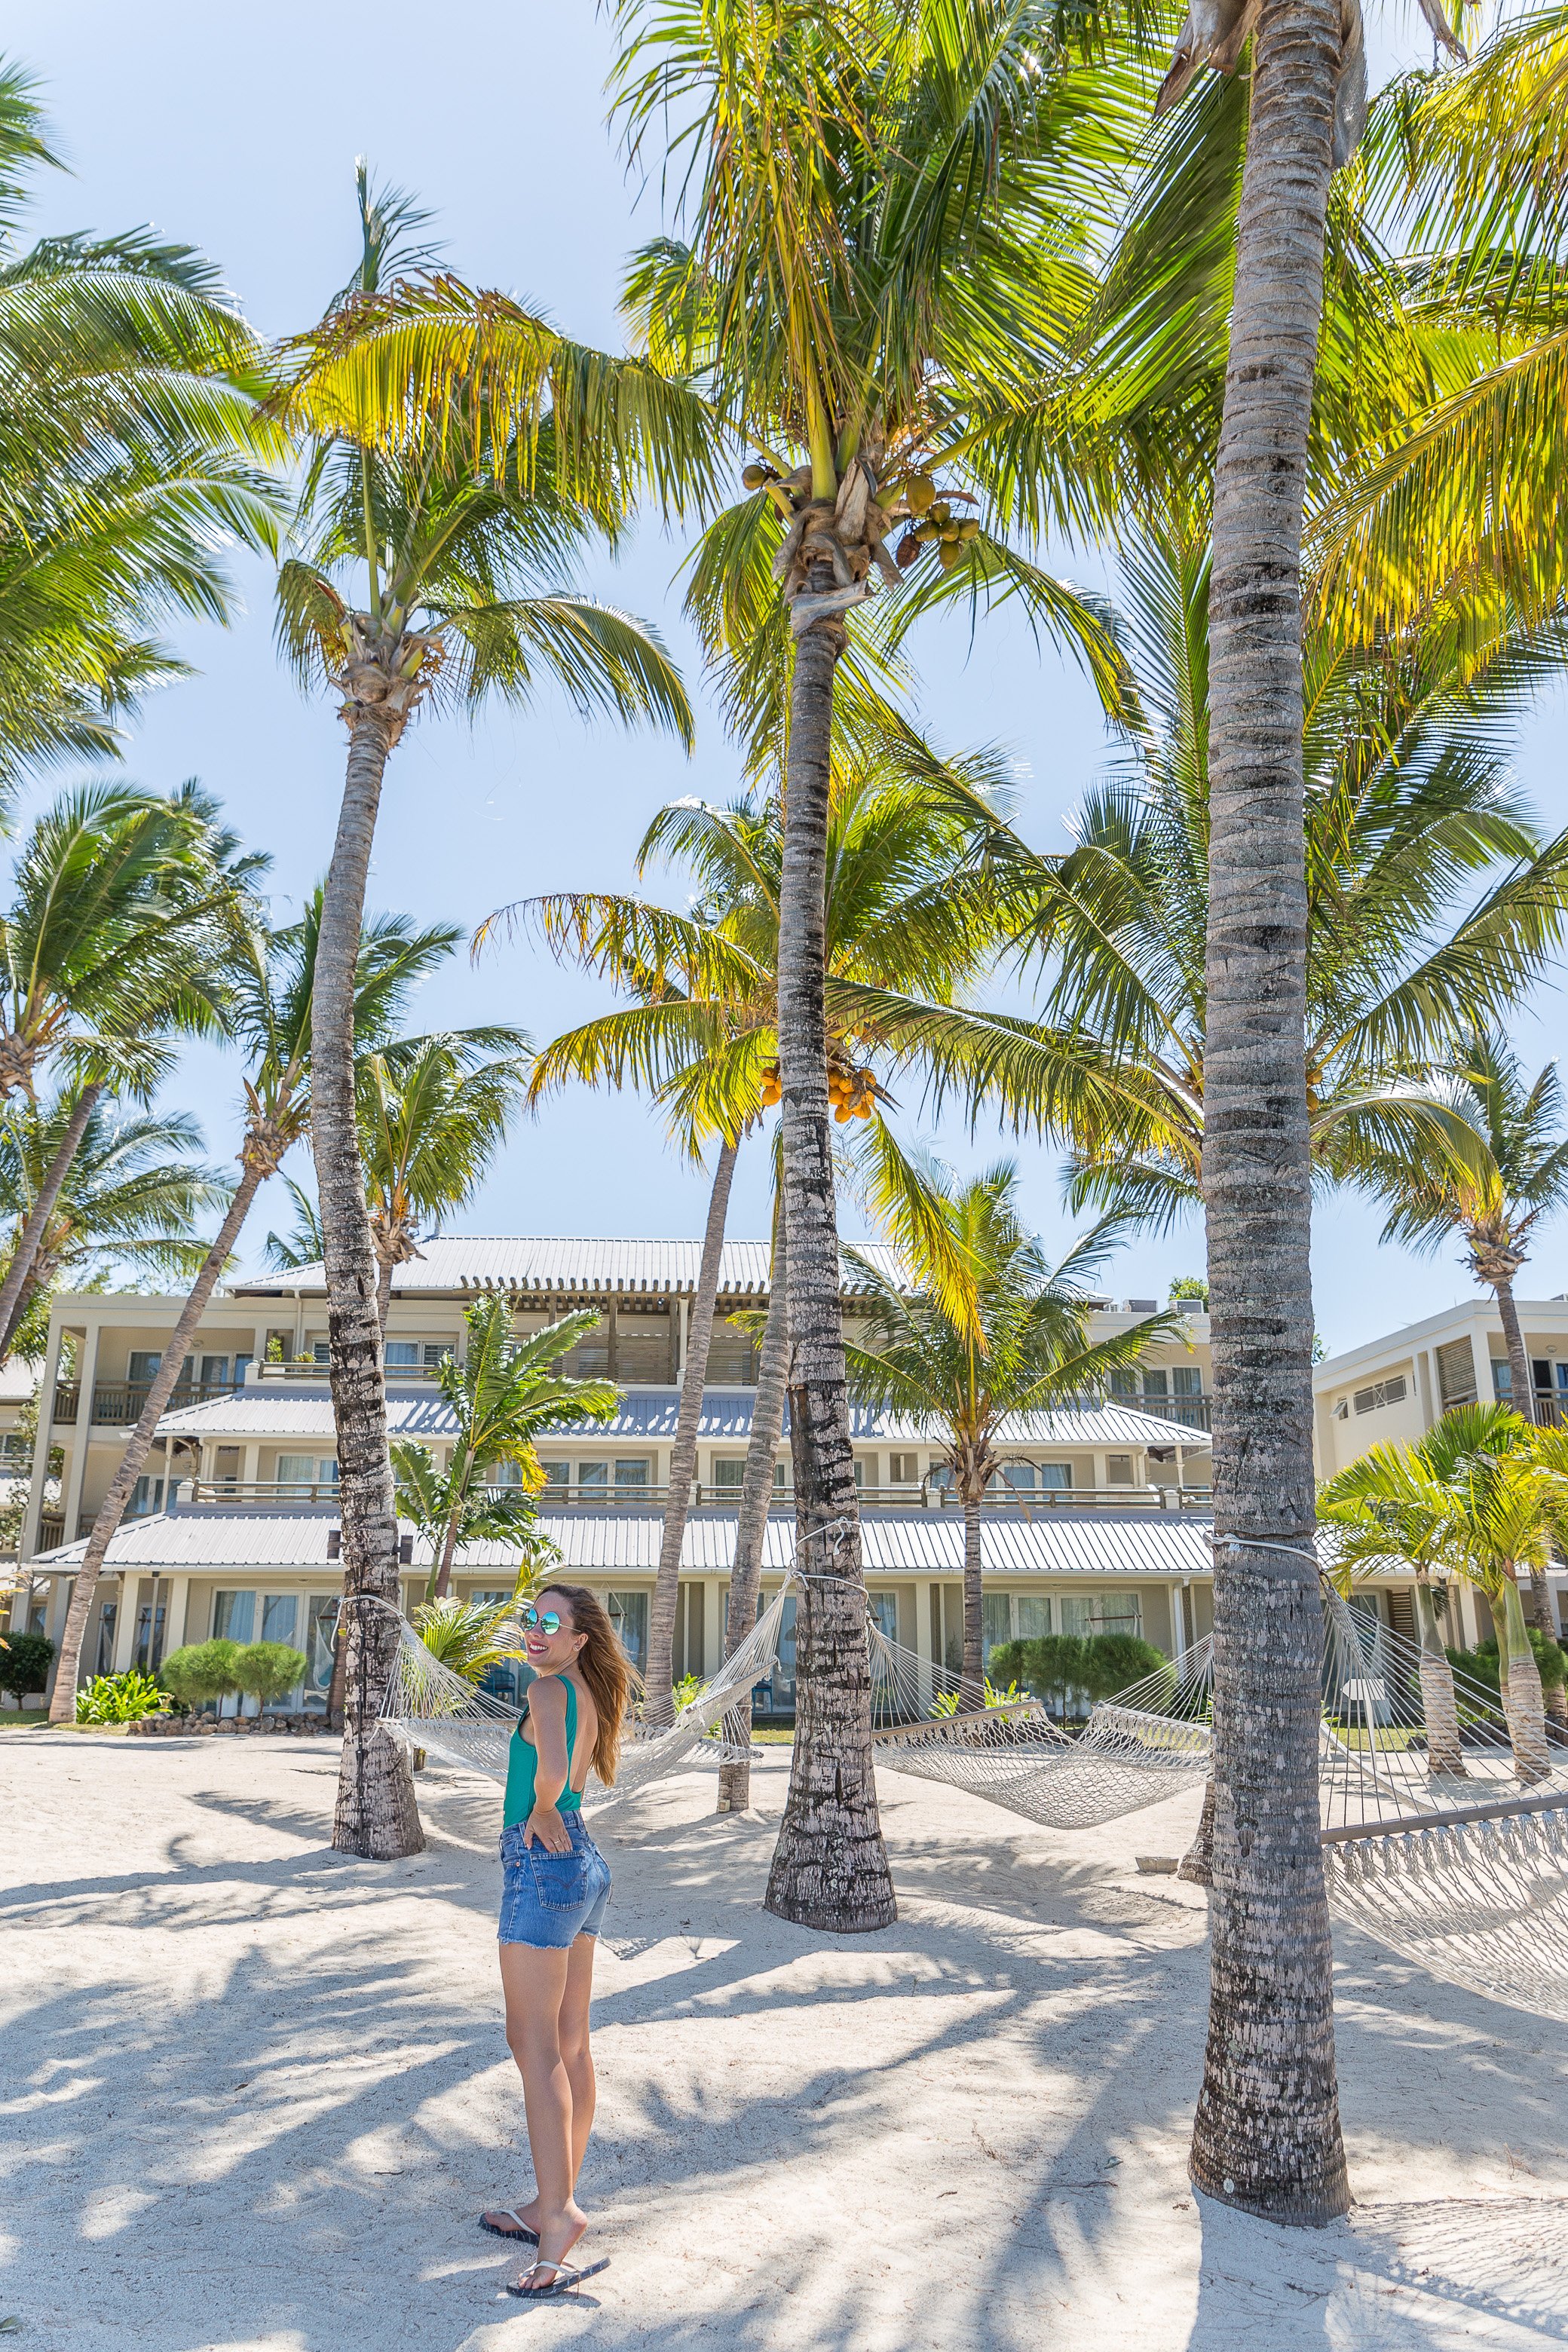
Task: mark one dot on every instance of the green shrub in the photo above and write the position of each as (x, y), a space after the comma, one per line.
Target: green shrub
(25, 1664)
(269, 1670)
(121, 1698)
(201, 1671)
(1055, 1666)
(952, 1702)
(1484, 1664)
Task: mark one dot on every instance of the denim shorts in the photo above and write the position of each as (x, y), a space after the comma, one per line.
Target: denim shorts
(548, 1899)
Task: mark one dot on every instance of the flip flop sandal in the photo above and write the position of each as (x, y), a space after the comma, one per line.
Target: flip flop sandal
(565, 2279)
(530, 2237)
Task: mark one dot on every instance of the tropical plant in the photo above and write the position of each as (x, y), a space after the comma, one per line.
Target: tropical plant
(879, 210)
(503, 1396)
(1062, 1668)
(286, 1252)
(1018, 1348)
(24, 1663)
(201, 1671)
(905, 926)
(1429, 896)
(129, 1200)
(433, 1112)
(461, 452)
(1508, 1169)
(133, 455)
(1476, 1495)
(948, 1703)
(267, 982)
(118, 1698)
(267, 1671)
(471, 1637)
(121, 905)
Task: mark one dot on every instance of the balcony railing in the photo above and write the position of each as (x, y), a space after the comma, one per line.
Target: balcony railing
(188, 1492)
(119, 1403)
(1189, 1411)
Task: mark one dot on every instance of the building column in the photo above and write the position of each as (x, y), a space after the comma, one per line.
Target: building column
(1426, 1389)
(1179, 1625)
(125, 1624)
(920, 1642)
(29, 1539)
(174, 1616)
(713, 1628)
(1481, 1357)
(250, 1466)
(680, 1341)
(75, 1475)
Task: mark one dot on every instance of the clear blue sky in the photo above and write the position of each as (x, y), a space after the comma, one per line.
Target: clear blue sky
(237, 129)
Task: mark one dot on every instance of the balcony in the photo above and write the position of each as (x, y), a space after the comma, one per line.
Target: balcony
(194, 1493)
(118, 1403)
(1188, 1411)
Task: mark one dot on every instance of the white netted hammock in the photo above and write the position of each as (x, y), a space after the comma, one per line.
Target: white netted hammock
(1440, 1845)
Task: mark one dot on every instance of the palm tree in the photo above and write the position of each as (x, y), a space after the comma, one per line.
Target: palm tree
(504, 1395)
(1508, 1169)
(1267, 2131)
(1430, 895)
(469, 1637)
(120, 906)
(433, 1112)
(269, 992)
(1022, 1347)
(286, 1253)
(132, 455)
(130, 1199)
(877, 206)
(465, 489)
(905, 926)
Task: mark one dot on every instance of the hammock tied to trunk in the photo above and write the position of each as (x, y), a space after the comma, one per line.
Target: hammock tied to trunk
(1444, 1802)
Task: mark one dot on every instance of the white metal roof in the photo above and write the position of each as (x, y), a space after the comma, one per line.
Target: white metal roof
(283, 1410)
(911, 1542)
(467, 1263)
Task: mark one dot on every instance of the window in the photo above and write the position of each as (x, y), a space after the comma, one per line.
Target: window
(145, 1366)
(1056, 1474)
(628, 1614)
(241, 1366)
(1032, 1615)
(324, 1619)
(402, 1355)
(996, 1622)
(632, 1476)
(1187, 1380)
(146, 1496)
(436, 1353)
(1156, 1384)
(279, 1612)
(1124, 1384)
(1381, 1393)
(593, 1474)
(783, 1476)
(1456, 1374)
(904, 1469)
(730, 1471)
(150, 1636)
(859, 1472)
(1119, 1469)
(882, 1609)
(305, 1470)
(1107, 1612)
(234, 1616)
(215, 1371)
(557, 1477)
(1019, 1476)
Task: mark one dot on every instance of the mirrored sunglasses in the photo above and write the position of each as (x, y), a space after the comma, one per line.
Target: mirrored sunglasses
(549, 1624)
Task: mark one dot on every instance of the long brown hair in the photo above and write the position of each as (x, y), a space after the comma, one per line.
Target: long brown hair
(605, 1667)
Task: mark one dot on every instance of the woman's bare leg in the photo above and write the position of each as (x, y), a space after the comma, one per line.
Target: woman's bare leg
(535, 1984)
(576, 2055)
(575, 2049)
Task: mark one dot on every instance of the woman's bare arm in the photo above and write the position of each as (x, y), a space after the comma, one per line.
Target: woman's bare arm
(547, 1713)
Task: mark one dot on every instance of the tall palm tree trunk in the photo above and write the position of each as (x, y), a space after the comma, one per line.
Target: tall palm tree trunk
(972, 1676)
(1439, 1705)
(256, 1165)
(751, 1521)
(1524, 1703)
(1524, 1387)
(683, 1452)
(377, 1814)
(830, 1867)
(1267, 2135)
(38, 1216)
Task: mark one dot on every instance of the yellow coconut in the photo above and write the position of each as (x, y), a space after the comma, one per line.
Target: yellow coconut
(969, 528)
(753, 477)
(949, 553)
(919, 492)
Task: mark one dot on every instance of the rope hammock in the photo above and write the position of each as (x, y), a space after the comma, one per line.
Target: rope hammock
(428, 1705)
(1444, 1802)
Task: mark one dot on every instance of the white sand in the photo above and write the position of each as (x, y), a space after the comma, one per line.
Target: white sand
(253, 2094)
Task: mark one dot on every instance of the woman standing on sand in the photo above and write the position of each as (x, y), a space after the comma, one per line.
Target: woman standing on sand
(555, 1885)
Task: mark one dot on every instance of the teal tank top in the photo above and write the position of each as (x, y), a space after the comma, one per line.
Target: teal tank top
(522, 1765)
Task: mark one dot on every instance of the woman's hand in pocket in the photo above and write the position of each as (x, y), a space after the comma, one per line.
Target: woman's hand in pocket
(546, 1824)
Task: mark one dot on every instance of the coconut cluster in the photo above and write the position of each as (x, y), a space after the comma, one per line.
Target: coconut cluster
(849, 533)
(851, 1091)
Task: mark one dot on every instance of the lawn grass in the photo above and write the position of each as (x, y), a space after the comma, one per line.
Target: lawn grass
(14, 1718)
